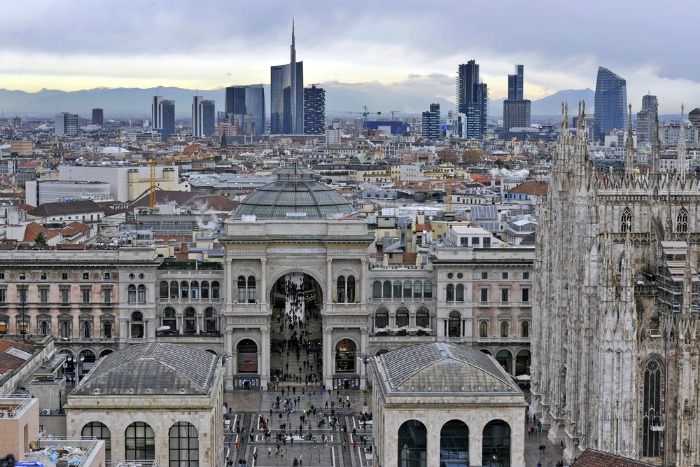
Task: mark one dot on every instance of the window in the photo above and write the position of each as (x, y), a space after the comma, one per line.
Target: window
(526, 275)
(86, 276)
(652, 411)
(85, 295)
(184, 289)
(407, 289)
(428, 289)
(183, 445)
(42, 276)
(475, 241)
(107, 332)
(22, 295)
(64, 276)
(417, 289)
(106, 276)
(131, 294)
(450, 293)
(376, 289)
(100, 431)
(204, 290)
(526, 295)
(241, 286)
(396, 293)
(682, 221)
(504, 328)
(3, 324)
(2, 276)
(65, 295)
(386, 289)
(107, 296)
(137, 324)
(484, 295)
(453, 328)
(487, 242)
(22, 277)
(174, 290)
(459, 293)
(87, 330)
(194, 290)
(483, 329)
(190, 321)
(44, 295)
(504, 275)
(423, 317)
(44, 328)
(381, 318)
(210, 320)
(626, 221)
(169, 319)
(3, 296)
(504, 295)
(402, 317)
(525, 329)
(140, 442)
(163, 289)
(484, 275)
(340, 288)
(142, 293)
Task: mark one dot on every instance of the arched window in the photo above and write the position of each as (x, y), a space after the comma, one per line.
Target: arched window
(412, 444)
(455, 324)
(131, 293)
(100, 431)
(205, 290)
(194, 290)
(682, 221)
(242, 289)
(137, 324)
(64, 327)
(251, 289)
(174, 290)
(86, 330)
(483, 329)
(459, 293)
(44, 328)
(381, 318)
(386, 289)
(190, 321)
(247, 351)
(495, 447)
(428, 289)
(351, 289)
(183, 445)
(396, 293)
(525, 329)
(454, 444)
(417, 289)
(652, 415)
(169, 319)
(163, 289)
(450, 293)
(210, 320)
(626, 221)
(140, 442)
(504, 328)
(215, 289)
(402, 317)
(376, 289)
(423, 317)
(340, 287)
(184, 289)
(345, 356)
(407, 289)
(107, 330)
(142, 293)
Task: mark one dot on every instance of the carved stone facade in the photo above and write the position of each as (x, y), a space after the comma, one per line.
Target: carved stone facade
(615, 349)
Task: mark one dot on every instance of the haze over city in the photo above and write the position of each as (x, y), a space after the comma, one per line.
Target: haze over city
(413, 47)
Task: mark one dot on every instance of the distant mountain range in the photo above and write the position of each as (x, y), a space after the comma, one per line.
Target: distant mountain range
(341, 100)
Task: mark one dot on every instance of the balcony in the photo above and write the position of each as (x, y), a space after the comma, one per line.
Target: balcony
(504, 340)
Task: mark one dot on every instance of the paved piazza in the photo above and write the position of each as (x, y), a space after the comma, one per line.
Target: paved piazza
(247, 408)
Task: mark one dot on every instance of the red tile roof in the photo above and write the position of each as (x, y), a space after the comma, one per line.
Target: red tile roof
(593, 458)
(531, 188)
(10, 362)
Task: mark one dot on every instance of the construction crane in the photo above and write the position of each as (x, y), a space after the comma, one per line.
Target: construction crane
(364, 114)
(392, 114)
(152, 194)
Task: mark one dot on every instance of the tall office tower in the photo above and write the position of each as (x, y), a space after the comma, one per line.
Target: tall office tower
(208, 117)
(430, 123)
(645, 120)
(66, 124)
(97, 117)
(287, 95)
(472, 99)
(610, 103)
(314, 110)
(163, 117)
(515, 84)
(694, 117)
(247, 100)
(516, 110)
(197, 119)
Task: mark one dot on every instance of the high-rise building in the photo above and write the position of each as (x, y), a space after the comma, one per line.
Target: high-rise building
(610, 103)
(163, 117)
(516, 110)
(314, 110)
(287, 95)
(66, 124)
(246, 100)
(202, 117)
(694, 117)
(472, 99)
(208, 117)
(430, 123)
(645, 120)
(97, 117)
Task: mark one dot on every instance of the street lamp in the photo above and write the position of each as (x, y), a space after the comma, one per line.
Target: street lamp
(365, 359)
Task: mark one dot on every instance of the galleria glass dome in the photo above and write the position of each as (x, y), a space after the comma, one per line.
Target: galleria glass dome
(297, 194)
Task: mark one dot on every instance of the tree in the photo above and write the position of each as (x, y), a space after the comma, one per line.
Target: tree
(472, 157)
(447, 156)
(40, 239)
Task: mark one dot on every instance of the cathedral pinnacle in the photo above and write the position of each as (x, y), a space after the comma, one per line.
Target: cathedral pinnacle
(629, 144)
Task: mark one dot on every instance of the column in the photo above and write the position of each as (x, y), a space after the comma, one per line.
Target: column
(433, 447)
(476, 432)
(329, 284)
(363, 367)
(263, 280)
(230, 368)
(363, 279)
(328, 357)
(264, 364)
(229, 284)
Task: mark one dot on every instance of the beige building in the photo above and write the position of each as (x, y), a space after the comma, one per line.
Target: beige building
(445, 404)
(154, 402)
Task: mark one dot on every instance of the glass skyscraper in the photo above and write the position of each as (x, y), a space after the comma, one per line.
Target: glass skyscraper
(472, 99)
(287, 95)
(610, 103)
(246, 100)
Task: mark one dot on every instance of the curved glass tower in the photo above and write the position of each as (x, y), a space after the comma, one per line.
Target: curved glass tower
(610, 103)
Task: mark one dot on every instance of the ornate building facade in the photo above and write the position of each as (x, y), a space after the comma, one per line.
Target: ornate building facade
(615, 349)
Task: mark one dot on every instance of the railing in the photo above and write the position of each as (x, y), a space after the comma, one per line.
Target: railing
(44, 444)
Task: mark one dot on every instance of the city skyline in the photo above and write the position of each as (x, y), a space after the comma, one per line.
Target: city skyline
(370, 49)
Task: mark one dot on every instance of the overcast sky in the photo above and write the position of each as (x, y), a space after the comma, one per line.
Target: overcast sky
(414, 44)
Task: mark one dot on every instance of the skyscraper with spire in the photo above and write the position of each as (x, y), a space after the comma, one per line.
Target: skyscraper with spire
(287, 95)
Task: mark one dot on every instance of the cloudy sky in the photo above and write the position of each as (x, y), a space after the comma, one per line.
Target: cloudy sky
(414, 45)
